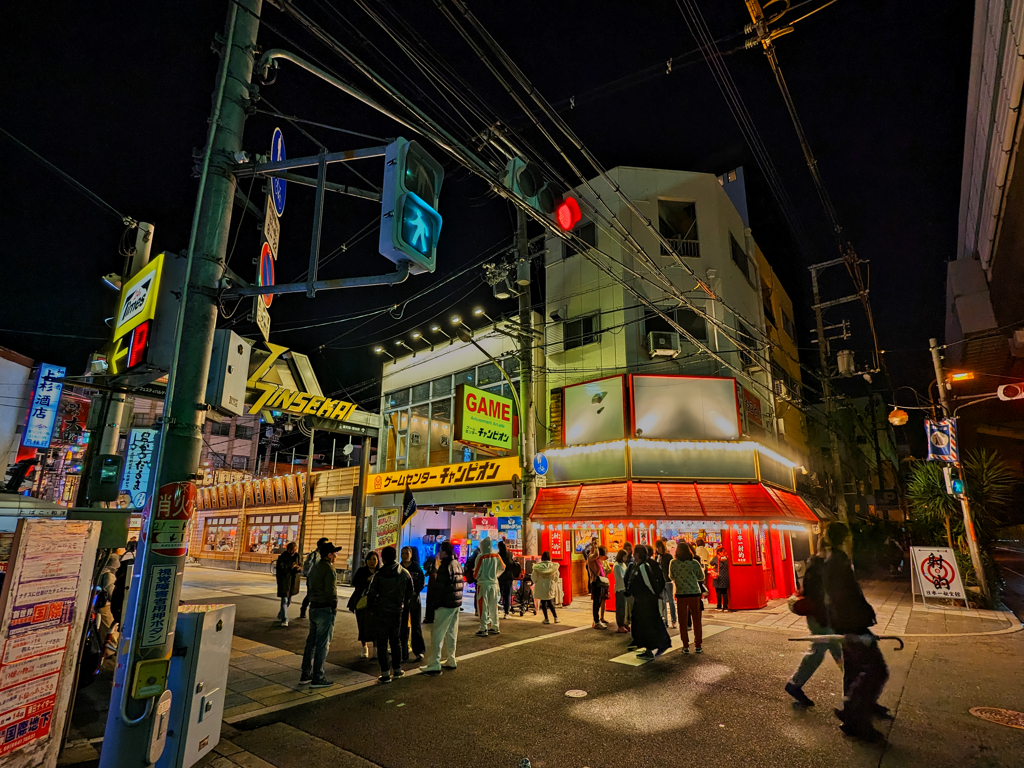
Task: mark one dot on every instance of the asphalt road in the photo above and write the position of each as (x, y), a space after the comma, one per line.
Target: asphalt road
(1009, 556)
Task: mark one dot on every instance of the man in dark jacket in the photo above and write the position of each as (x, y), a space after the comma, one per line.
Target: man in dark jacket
(445, 598)
(390, 592)
(412, 629)
(322, 586)
(289, 573)
(813, 595)
(850, 614)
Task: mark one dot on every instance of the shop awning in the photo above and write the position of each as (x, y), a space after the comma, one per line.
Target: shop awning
(669, 501)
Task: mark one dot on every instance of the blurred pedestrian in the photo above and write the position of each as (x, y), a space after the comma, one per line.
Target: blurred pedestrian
(628, 548)
(357, 602)
(307, 567)
(445, 600)
(812, 606)
(667, 605)
(619, 570)
(430, 570)
(127, 560)
(720, 578)
(545, 585)
(323, 607)
(389, 595)
(289, 576)
(646, 585)
(704, 553)
(104, 596)
(486, 570)
(470, 578)
(687, 580)
(412, 630)
(598, 583)
(506, 581)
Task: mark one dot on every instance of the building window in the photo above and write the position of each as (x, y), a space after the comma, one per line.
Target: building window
(270, 534)
(677, 222)
(488, 374)
(580, 332)
(746, 337)
(340, 505)
(243, 432)
(240, 462)
(222, 429)
(740, 259)
(687, 319)
(440, 432)
(421, 392)
(419, 432)
(397, 399)
(219, 534)
(585, 232)
(441, 387)
(218, 460)
(766, 300)
(789, 326)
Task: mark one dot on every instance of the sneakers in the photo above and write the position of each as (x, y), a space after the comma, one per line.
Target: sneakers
(661, 651)
(365, 654)
(384, 679)
(699, 650)
(866, 733)
(303, 680)
(798, 694)
(449, 666)
(558, 620)
(686, 650)
(600, 625)
(322, 683)
(545, 622)
(431, 672)
(418, 657)
(645, 655)
(284, 623)
(493, 631)
(399, 672)
(482, 633)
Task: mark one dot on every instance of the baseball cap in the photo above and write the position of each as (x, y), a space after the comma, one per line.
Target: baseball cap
(327, 547)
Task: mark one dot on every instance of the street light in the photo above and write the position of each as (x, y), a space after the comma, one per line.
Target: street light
(961, 376)
(435, 328)
(898, 417)
(480, 312)
(459, 322)
(381, 351)
(418, 335)
(400, 343)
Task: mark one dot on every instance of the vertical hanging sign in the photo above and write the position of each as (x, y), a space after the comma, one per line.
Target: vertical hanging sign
(43, 415)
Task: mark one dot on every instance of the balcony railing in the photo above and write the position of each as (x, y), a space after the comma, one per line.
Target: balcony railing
(683, 247)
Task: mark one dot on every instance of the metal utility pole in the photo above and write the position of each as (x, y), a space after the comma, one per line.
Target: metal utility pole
(972, 536)
(527, 415)
(360, 507)
(309, 489)
(136, 720)
(824, 355)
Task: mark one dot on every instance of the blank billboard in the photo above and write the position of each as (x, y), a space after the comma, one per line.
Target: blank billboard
(684, 408)
(594, 412)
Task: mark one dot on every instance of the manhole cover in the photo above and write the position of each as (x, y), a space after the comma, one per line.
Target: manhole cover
(1005, 717)
(575, 694)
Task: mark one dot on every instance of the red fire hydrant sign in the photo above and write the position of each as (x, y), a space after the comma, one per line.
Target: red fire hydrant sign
(174, 507)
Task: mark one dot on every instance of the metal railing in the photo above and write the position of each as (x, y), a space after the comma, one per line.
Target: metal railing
(683, 247)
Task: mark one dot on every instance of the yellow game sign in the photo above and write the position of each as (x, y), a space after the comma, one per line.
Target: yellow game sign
(484, 472)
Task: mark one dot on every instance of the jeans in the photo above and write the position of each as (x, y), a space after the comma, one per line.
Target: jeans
(318, 641)
(598, 593)
(545, 605)
(506, 595)
(487, 605)
(866, 674)
(444, 633)
(723, 598)
(620, 608)
(666, 602)
(389, 634)
(282, 615)
(412, 629)
(816, 654)
(304, 607)
(689, 608)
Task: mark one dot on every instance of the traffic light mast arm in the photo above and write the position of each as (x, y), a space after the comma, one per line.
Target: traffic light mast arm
(394, 278)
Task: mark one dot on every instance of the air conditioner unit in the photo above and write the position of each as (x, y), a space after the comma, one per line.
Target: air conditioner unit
(780, 425)
(663, 344)
(781, 390)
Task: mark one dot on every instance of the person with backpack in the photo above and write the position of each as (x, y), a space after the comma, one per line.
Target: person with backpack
(646, 586)
(288, 573)
(486, 571)
(507, 579)
(307, 567)
(412, 628)
(811, 605)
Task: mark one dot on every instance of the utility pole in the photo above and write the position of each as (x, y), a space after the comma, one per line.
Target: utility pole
(133, 730)
(972, 536)
(824, 355)
(527, 415)
(309, 490)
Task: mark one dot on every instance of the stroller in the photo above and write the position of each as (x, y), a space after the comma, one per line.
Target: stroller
(522, 596)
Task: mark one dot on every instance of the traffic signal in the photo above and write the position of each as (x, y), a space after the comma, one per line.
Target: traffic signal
(1011, 391)
(410, 224)
(526, 180)
(954, 483)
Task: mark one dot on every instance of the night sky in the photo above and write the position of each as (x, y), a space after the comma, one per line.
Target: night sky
(118, 95)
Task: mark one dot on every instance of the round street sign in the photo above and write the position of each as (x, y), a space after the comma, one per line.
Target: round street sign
(266, 275)
(540, 464)
(278, 187)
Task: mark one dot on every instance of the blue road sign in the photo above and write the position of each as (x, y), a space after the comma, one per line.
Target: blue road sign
(540, 464)
(278, 187)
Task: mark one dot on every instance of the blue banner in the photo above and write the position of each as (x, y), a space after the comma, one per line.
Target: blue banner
(942, 444)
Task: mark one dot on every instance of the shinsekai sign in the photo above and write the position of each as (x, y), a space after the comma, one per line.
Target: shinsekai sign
(483, 418)
(277, 398)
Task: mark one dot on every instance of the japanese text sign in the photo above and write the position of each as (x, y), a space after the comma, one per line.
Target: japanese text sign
(387, 527)
(936, 572)
(483, 418)
(741, 546)
(168, 530)
(447, 476)
(138, 465)
(43, 414)
(158, 607)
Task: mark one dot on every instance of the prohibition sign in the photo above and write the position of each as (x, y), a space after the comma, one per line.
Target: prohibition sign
(266, 275)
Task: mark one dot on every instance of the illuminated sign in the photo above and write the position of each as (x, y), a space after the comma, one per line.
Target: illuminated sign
(277, 398)
(447, 476)
(138, 298)
(138, 465)
(483, 418)
(42, 416)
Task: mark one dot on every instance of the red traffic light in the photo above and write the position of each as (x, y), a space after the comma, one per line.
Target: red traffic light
(139, 344)
(567, 214)
(1011, 391)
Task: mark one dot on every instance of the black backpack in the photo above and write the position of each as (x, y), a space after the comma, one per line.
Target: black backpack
(515, 569)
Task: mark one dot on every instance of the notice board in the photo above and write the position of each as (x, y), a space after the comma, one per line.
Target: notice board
(42, 610)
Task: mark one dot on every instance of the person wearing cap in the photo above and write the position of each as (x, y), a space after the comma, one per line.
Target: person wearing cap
(307, 566)
(322, 586)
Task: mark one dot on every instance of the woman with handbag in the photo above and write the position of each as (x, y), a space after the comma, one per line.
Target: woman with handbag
(646, 585)
(620, 568)
(357, 603)
(687, 579)
(598, 583)
(720, 578)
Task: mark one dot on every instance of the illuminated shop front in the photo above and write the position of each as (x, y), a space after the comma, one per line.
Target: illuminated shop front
(665, 458)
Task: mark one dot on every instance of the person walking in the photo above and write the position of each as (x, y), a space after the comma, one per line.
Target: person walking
(445, 601)
(357, 603)
(289, 577)
(486, 570)
(620, 569)
(597, 583)
(506, 581)
(646, 586)
(545, 586)
(323, 606)
(467, 572)
(105, 595)
(307, 567)
(851, 615)
(389, 595)
(412, 629)
(127, 560)
(813, 607)
(720, 578)
(664, 560)
(687, 577)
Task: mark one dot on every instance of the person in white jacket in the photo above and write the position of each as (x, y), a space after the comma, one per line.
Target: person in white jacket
(486, 570)
(545, 585)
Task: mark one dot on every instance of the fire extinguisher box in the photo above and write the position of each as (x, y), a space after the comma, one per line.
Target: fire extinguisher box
(198, 682)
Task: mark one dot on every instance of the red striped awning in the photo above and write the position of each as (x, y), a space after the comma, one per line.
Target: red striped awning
(672, 501)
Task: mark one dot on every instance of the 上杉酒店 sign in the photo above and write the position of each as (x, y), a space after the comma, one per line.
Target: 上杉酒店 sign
(483, 418)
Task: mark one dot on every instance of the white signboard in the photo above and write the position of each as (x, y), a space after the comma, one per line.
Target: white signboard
(936, 573)
(272, 228)
(43, 414)
(262, 317)
(138, 465)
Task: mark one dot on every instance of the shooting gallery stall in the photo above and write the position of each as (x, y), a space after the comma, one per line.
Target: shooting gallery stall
(664, 457)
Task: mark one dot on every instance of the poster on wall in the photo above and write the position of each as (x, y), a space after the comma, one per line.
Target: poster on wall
(741, 546)
(482, 528)
(761, 540)
(556, 544)
(594, 411)
(41, 620)
(386, 530)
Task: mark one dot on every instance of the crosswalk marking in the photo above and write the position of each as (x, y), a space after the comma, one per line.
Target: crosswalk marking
(630, 658)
